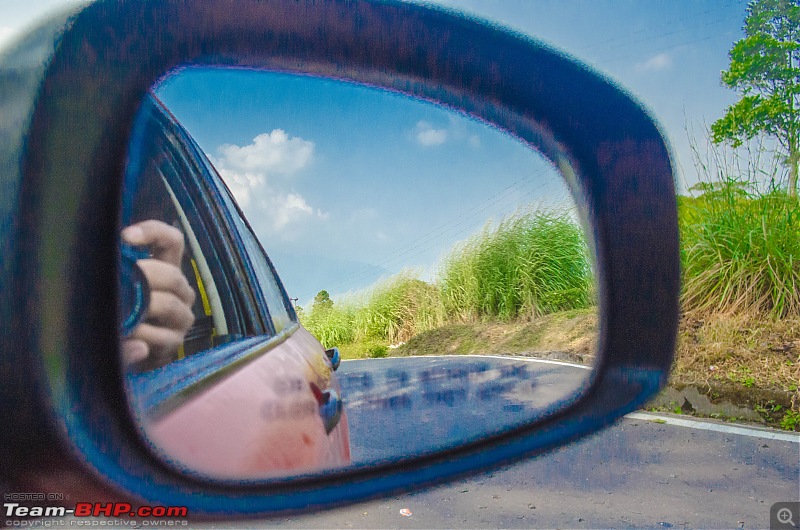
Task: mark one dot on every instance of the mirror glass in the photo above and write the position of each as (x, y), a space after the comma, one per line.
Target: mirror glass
(317, 274)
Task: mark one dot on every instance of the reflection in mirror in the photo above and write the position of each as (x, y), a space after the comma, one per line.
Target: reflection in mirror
(435, 287)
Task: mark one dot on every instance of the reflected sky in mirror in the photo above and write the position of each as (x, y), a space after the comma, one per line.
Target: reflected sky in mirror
(345, 185)
(441, 258)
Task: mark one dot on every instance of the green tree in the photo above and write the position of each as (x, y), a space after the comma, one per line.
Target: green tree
(765, 69)
(322, 301)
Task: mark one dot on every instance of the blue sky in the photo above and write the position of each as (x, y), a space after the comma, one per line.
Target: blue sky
(345, 185)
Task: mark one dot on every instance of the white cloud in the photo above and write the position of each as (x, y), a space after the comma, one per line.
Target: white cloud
(240, 184)
(6, 35)
(662, 61)
(285, 209)
(275, 151)
(428, 136)
(253, 173)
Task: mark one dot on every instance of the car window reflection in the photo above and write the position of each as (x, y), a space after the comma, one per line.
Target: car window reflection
(163, 193)
(281, 312)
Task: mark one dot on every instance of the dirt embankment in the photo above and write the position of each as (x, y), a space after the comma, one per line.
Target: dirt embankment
(570, 335)
(729, 367)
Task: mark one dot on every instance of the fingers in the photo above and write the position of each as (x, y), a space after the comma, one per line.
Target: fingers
(134, 351)
(157, 339)
(164, 277)
(164, 241)
(168, 311)
(162, 343)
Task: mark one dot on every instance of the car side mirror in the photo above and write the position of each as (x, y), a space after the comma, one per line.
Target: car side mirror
(71, 91)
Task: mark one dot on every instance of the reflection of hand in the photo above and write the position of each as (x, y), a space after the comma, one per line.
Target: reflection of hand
(169, 314)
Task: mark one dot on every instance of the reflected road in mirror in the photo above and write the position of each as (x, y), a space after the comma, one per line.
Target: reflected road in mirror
(402, 407)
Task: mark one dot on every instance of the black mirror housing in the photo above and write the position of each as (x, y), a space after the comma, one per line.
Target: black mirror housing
(70, 93)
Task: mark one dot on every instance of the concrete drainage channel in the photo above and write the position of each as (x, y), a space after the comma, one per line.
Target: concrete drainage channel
(690, 399)
(717, 426)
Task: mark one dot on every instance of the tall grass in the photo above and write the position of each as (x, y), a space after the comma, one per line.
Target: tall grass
(332, 325)
(741, 250)
(740, 236)
(398, 309)
(531, 264)
(392, 311)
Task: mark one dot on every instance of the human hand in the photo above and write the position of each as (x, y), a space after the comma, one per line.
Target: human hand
(169, 313)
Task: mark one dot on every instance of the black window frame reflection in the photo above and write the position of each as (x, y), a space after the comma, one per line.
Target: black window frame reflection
(245, 231)
(220, 229)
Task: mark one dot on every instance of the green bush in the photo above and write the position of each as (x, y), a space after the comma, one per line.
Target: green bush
(533, 263)
(399, 308)
(791, 420)
(393, 310)
(331, 324)
(376, 350)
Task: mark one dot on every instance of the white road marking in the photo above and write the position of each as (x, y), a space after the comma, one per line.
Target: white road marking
(512, 357)
(526, 359)
(716, 427)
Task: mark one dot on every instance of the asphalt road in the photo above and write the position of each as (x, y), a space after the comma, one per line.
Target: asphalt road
(637, 474)
(412, 405)
(640, 473)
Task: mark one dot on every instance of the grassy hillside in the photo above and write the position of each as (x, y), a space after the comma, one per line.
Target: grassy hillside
(530, 265)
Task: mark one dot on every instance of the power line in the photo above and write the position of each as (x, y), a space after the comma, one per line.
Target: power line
(670, 26)
(446, 230)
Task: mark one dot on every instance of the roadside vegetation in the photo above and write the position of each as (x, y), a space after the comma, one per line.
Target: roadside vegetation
(531, 264)
(740, 250)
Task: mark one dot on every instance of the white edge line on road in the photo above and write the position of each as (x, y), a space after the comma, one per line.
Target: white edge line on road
(709, 426)
(530, 360)
(646, 416)
(512, 357)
